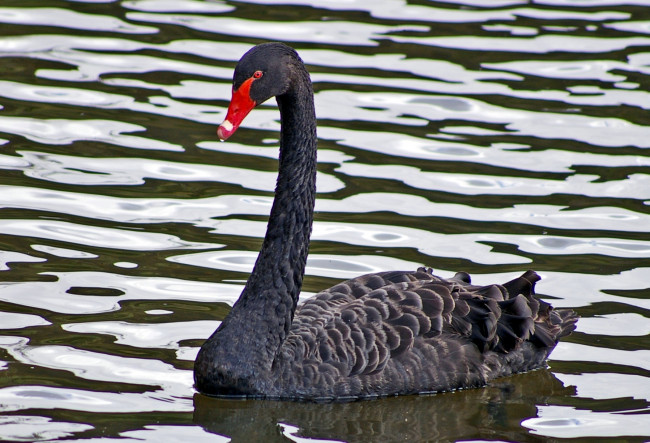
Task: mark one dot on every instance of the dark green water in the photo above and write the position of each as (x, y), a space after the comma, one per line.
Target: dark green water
(489, 137)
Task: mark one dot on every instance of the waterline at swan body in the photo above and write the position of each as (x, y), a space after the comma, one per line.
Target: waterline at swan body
(396, 332)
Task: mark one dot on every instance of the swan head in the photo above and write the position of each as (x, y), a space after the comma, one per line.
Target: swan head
(265, 71)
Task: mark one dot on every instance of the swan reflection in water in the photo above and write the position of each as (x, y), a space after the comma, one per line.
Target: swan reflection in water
(487, 413)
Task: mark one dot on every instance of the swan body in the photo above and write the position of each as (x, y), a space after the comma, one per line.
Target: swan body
(391, 333)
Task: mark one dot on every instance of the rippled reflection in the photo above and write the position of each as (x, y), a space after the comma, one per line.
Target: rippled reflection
(458, 134)
(553, 422)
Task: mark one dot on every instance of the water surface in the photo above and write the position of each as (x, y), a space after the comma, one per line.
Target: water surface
(458, 135)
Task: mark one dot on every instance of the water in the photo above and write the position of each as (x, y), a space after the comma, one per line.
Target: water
(490, 137)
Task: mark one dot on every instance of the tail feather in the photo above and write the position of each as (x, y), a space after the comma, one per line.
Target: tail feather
(568, 319)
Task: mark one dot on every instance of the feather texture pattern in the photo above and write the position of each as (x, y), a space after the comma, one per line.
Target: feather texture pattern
(403, 332)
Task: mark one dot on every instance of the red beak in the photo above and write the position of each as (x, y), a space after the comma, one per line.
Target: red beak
(240, 105)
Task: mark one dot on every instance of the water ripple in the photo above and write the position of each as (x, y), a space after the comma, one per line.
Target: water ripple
(97, 236)
(124, 288)
(570, 422)
(30, 427)
(634, 186)
(102, 367)
(70, 20)
(457, 134)
(331, 32)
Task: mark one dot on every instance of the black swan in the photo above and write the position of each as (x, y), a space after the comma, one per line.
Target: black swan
(395, 332)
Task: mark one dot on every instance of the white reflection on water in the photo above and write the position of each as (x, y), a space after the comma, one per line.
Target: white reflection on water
(65, 132)
(593, 96)
(585, 245)
(542, 44)
(45, 45)
(63, 252)
(400, 10)
(571, 422)
(429, 68)
(272, 151)
(392, 104)
(201, 210)
(576, 289)
(17, 398)
(96, 236)
(14, 320)
(34, 427)
(103, 367)
(147, 335)
(512, 30)
(634, 186)
(324, 265)
(455, 79)
(599, 218)
(133, 210)
(71, 96)
(330, 32)
(392, 108)
(134, 171)
(590, 385)
(642, 27)
(59, 299)
(7, 257)
(438, 76)
(175, 394)
(193, 6)
(466, 246)
(91, 66)
(577, 352)
(156, 105)
(292, 433)
(583, 69)
(624, 324)
(175, 434)
(71, 20)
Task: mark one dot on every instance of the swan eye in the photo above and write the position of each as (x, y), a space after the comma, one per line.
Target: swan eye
(258, 74)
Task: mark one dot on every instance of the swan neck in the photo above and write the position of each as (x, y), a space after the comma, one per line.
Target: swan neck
(280, 266)
(249, 338)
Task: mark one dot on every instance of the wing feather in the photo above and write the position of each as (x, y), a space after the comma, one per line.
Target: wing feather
(356, 327)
